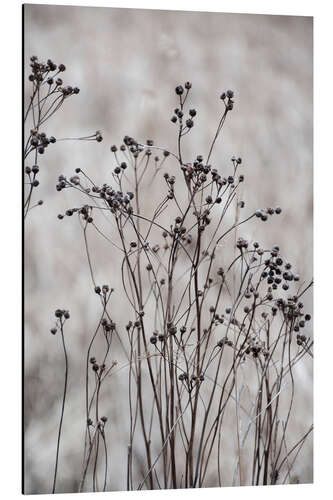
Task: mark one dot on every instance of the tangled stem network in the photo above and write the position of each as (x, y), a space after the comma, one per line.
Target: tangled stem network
(210, 345)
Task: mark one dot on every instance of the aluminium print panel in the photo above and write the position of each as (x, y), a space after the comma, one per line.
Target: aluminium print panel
(167, 170)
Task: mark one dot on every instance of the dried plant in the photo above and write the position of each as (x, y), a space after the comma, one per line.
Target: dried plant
(206, 339)
(48, 94)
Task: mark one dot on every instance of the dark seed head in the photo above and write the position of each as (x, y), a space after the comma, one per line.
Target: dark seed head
(58, 313)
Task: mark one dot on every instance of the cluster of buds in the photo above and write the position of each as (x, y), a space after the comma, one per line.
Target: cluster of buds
(100, 424)
(62, 315)
(117, 200)
(301, 339)
(98, 369)
(39, 140)
(227, 98)
(256, 347)
(265, 212)
(170, 180)
(236, 161)
(276, 271)
(32, 174)
(131, 145)
(191, 382)
(47, 72)
(68, 90)
(217, 318)
(178, 115)
(108, 326)
(85, 211)
(172, 329)
(185, 123)
(63, 182)
(157, 336)
(197, 172)
(40, 70)
(224, 341)
(242, 244)
(203, 219)
(292, 310)
(180, 89)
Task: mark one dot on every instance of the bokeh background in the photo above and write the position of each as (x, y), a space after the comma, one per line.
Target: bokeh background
(127, 63)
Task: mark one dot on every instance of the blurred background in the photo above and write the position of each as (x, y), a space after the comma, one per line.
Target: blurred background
(127, 63)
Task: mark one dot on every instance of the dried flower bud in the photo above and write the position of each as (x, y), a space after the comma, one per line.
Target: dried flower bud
(58, 313)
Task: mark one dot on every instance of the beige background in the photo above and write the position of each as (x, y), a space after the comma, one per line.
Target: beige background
(127, 63)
